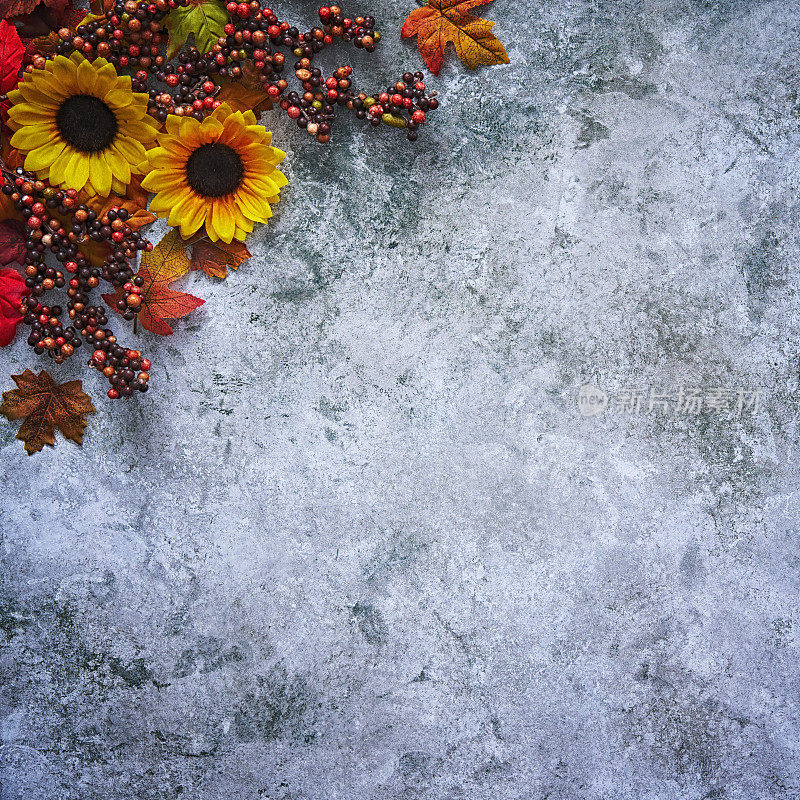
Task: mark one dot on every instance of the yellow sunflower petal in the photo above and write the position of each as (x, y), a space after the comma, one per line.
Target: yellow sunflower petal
(105, 79)
(25, 114)
(132, 149)
(77, 172)
(256, 208)
(58, 169)
(222, 219)
(141, 131)
(65, 73)
(118, 97)
(193, 215)
(29, 137)
(43, 156)
(210, 131)
(221, 112)
(100, 173)
(159, 180)
(167, 199)
(86, 79)
(120, 168)
(36, 97)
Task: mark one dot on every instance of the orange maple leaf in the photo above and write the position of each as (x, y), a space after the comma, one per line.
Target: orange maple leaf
(45, 405)
(443, 21)
(164, 264)
(214, 258)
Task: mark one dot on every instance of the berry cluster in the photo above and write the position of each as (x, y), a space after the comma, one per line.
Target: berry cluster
(391, 106)
(132, 34)
(58, 223)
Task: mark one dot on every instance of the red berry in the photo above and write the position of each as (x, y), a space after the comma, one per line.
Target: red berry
(99, 357)
(383, 97)
(273, 91)
(34, 222)
(172, 80)
(332, 94)
(419, 86)
(145, 365)
(231, 7)
(243, 10)
(397, 99)
(113, 394)
(376, 111)
(294, 112)
(274, 31)
(209, 87)
(331, 83)
(418, 117)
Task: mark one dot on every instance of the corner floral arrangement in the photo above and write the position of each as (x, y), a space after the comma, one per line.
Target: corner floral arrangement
(135, 110)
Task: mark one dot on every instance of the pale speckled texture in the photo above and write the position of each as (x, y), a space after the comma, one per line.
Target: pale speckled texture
(358, 544)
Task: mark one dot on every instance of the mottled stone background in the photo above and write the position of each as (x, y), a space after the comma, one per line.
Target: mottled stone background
(357, 543)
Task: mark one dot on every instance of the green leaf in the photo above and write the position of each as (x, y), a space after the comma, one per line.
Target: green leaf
(206, 19)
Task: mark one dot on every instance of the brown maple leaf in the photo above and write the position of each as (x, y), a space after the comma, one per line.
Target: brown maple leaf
(214, 258)
(246, 93)
(164, 264)
(443, 21)
(21, 8)
(135, 193)
(45, 405)
(137, 216)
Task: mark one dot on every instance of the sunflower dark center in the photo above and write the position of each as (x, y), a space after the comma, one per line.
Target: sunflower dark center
(86, 123)
(214, 170)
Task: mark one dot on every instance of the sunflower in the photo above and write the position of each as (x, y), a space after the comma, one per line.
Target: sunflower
(221, 173)
(80, 124)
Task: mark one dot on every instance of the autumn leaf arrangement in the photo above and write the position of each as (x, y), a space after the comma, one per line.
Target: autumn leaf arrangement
(135, 110)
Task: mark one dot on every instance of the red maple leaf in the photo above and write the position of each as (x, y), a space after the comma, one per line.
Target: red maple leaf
(12, 290)
(159, 268)
(11, 53)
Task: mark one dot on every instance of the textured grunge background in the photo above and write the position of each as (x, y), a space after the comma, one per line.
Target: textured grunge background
(357, 543)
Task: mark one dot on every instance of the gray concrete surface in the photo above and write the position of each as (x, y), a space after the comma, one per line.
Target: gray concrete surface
(358, 543)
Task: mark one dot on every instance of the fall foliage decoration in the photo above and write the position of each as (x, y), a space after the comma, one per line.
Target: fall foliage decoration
(147, 108)
(12, 290)
(12, 51)
(216, 258)
(44, 405)
(443, 21)
(154, 300)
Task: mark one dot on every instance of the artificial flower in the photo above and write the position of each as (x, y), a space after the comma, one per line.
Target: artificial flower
(80, 125)
(221, 173)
